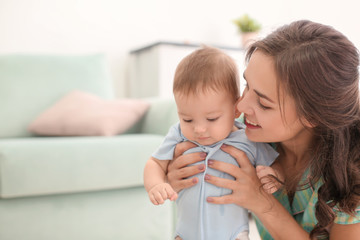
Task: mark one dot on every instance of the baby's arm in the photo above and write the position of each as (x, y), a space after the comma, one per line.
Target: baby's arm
(270, 184)
(154, 181)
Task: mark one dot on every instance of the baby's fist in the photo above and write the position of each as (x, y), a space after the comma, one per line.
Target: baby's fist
(160, 192)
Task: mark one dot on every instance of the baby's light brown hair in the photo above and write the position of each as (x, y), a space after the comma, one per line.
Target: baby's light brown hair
(204, 69)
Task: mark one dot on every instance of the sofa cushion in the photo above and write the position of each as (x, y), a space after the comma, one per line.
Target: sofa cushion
(50, 165)
(30, 84)
(160, 117)
(83, 114)
(125, 214)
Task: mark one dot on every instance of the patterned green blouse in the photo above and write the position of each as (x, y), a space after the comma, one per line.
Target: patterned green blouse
(303, 210)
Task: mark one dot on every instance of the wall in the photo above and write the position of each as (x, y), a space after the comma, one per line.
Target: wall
(115, 27)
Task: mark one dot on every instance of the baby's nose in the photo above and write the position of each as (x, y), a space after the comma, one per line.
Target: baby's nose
(200, 129)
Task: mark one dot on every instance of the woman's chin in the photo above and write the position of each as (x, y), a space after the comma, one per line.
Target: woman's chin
(252, 137)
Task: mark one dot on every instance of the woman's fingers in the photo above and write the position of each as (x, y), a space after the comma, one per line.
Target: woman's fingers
(179, 167)
(179, 173)
(228, 168)
(182, 147)
(187, 159)
(246, 185)
(183, 183)
(226, 199)
(220, 182)
(192, 170)
(180, 160)
(239, 155)
(224, 183)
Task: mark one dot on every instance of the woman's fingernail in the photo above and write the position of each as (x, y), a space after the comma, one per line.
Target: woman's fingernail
(201, 167)
(207, 177)
(209, 199)
(203, 155)
(195, 180)
(210, 162)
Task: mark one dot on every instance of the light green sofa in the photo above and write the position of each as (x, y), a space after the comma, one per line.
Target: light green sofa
(74, 187)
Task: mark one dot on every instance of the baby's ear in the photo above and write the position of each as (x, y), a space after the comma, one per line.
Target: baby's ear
(237, 112)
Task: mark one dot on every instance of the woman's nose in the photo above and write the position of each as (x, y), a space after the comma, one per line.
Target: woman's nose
(245, 106)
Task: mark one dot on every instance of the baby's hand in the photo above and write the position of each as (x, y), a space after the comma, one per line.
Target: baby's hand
(159, 193)
(270, 185)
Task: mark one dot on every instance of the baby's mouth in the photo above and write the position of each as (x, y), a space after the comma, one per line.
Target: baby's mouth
(203, 138)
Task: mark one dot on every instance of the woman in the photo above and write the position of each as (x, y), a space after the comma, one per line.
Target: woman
(302, 94)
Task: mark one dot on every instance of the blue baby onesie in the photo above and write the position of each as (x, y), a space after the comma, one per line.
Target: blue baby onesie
(197, 219)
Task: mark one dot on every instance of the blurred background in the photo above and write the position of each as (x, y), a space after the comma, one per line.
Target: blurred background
(92, 188)
(116, 27)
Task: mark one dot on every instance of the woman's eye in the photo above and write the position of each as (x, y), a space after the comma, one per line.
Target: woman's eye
(212, 119)
(263, 106)
(187, 120)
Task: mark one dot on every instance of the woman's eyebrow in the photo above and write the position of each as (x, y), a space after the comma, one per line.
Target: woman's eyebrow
(259, 93)
(263, 96)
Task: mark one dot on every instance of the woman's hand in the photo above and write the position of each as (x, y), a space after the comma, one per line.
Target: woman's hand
(248, 193)
(179, 173)
(246, 188)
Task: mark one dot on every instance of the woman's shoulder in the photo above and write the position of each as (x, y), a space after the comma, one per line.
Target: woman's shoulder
(341, 217)
(346, 218)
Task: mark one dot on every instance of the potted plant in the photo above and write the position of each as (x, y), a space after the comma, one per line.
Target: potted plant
(248, 27)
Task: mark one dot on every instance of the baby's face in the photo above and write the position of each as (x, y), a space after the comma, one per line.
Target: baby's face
(206, 117)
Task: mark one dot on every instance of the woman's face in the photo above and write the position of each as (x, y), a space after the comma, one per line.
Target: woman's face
(265, 120)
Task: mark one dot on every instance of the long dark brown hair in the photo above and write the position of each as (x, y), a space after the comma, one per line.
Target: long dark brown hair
(319, 67)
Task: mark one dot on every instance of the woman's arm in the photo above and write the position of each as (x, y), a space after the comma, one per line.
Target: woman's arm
(345, 231)
(248, 193)
(179, 173)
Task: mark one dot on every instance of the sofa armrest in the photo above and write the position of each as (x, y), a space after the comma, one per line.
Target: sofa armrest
(161, 115)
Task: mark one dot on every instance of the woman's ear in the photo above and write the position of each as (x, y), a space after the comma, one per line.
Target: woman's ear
(307, 123)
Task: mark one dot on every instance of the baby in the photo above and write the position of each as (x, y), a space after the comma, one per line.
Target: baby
(206, 91)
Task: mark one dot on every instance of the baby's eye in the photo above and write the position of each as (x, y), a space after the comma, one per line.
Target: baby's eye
(187, 120)
(212, 119)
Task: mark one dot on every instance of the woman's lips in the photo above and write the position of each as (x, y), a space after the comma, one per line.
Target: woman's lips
(251, 125)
